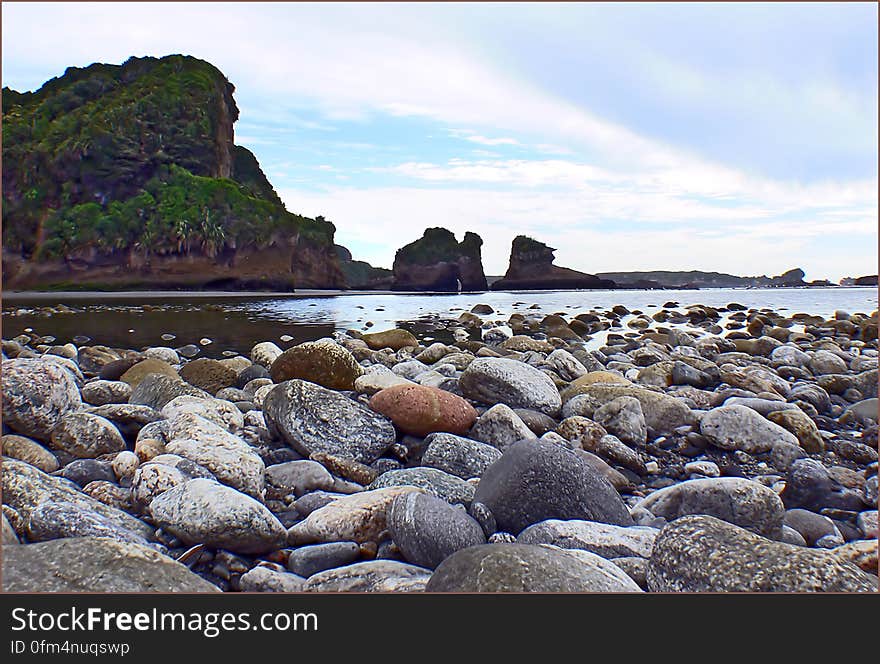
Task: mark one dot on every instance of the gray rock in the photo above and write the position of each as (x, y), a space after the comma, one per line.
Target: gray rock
(704, 554)
(37, 393)
(534, 481)
(296, 477)
(87, 436)
(53, 520)
(741, 428)
(265, 353)
(823, 362)
(685, 374)
(230, 459)
(582, 405)
(389, 576)
(810, 486)
(94, 564)
(427, 529)
(264, 580)
(25, 488)
(128, 418)
(450, 488)
(500, 426)
(222, 413)
(101, 392)
(811, 526)
(493, 380)
(156, 390)
(663, 413)
(9, 536)
(458, 456)
(864, 411)
(624, 418)
(566, 365)
(762, 406)
(605, 540)
(811, 394)
(202, 511)
(527, 568)
(311, 418)
(735, 500)
(790, 356)
(308, 560)
(84, 471)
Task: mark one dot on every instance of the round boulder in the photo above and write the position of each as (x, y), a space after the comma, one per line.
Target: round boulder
(420, 410)
(323, 362)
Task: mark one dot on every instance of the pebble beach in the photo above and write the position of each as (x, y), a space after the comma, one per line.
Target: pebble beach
(690, 449)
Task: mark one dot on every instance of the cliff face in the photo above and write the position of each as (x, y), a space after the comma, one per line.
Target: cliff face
(360, 275)
(438, 262)
(531, 267)
(118, 175)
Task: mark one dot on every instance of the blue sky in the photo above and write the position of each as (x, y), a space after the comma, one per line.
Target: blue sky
(632, 136)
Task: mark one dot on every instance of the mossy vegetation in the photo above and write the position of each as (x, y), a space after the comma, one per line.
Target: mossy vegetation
(138, 155)
(439, 245)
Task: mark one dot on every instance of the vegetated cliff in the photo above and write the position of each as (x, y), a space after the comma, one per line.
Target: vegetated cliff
(438, 262)
(699, 279)
(360, 275)
(531, 267)
(127, 176)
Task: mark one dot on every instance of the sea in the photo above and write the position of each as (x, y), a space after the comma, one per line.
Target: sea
(222, 324)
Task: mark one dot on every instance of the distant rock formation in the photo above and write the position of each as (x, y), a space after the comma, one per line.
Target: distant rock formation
(438, 262)
(531, 268)
(699, 279)
(870, 280)
(360, 275)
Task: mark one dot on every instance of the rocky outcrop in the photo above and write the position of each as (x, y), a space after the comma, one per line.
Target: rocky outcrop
(127, 177)
(360, 275)
(437, 262)
(531, 267)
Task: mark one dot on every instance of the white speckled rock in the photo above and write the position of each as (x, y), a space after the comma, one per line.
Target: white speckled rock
(102, 392)
(371, 576)
(224, 413)
(87, 436)
(494, 380)
(603, 539)
(265, 353)
(37, 393)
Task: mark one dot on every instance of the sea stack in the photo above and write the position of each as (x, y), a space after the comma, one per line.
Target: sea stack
(438, 262)
(531, 267)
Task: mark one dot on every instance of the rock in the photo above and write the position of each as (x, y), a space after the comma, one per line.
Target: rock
(531, 267)
(538, 423)
(810, 486)
(419, 410)
(516, 384)
(308, 560)
(208, 375)
(705, 468)
(8, 533)
(438, 262)
(95, 564)
(262, 579)
(164, 472)
(92, 359)
(458, 456)
(29, 451)
(168, 355)
(102, 392)
(617, 479)
(25, 487)
(762, 406)
(202, 511)
(37, 393)
(602, 539)
(144, 368)
(685, 374)
(124, 465)
(861, 553)
(790, 356)
(433, 353)
(376, 381)
(450, 488)
(113, 369)
(323, 362)
(55, 520)
(705, 554)
(823, 362)
(566, 365)
(157, 390)
(360, 517)
(296, 477)
(87, 436)
(735, 500)
(864, 411)
(581, 432)
(228, 457)
(811, 526)
(345, 468)
(800, 424)
(427, 529)
(534, 481)
(311, 418)
(394, 339)
(500, 427)
(265, 353)
(84, 471)
(624, 418)
(527, 568)
(867, 523)
(741, 428)
(221, 413)
(251, 373)
(663, 413)
(811, 394)
(388, 576)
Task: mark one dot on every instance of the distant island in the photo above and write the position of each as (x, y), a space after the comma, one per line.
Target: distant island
(127, 177)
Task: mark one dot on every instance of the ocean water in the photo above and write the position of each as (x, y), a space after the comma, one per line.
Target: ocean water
(235, 323)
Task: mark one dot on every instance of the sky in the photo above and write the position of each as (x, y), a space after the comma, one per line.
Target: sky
(730, 137)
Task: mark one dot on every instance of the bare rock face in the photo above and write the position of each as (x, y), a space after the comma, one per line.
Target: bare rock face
(531, 267)
(437, 262)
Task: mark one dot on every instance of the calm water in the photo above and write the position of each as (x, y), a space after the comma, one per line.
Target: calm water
(235, 323)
